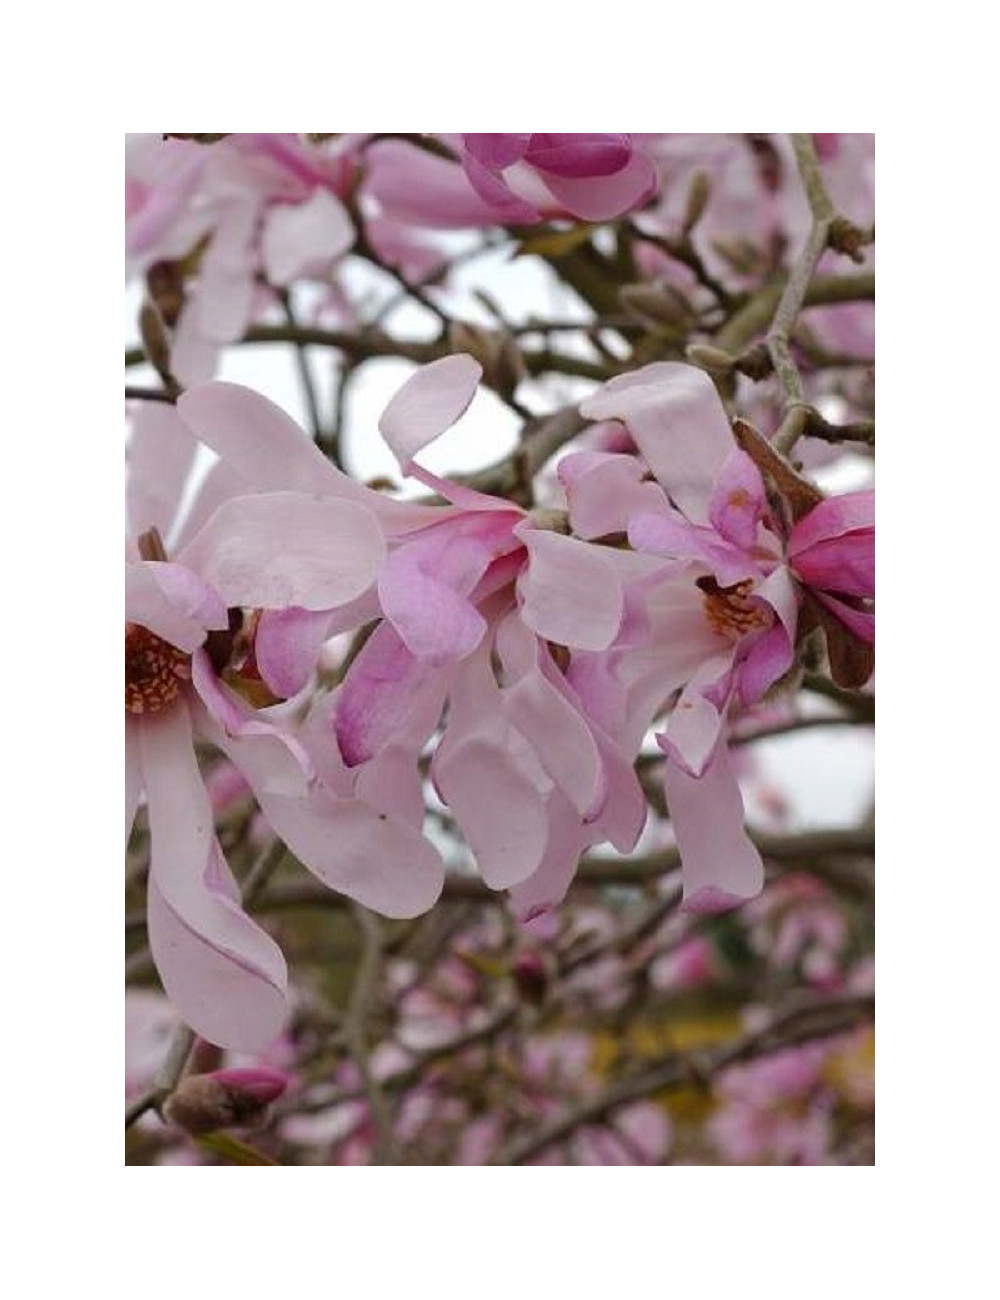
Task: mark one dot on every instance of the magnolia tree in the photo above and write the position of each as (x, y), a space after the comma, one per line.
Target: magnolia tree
(452, 832)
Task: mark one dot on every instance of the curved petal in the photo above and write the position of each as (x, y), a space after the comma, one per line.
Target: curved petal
(720, 865)
(278, 549)
(844, 564)
(599, 198)
(570, 593)
(298, 237)
(497, 151)
(159, 456)
(559, 736)
(547, 886)
(428, 403)
(861, 622)
(172, 602)
(771, 655)
(419, 189)
(226, 976)
(604, 490)
(287, 644)
(679, 424)
(581, 155)
(505, 205)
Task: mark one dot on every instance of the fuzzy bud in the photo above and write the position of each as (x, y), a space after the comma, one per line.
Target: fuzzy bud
(657, 304)
(699, 192)
(203, 1103)
(710, 358)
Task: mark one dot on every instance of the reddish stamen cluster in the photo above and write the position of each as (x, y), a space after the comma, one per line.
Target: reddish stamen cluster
(731, 611)
(154, 670)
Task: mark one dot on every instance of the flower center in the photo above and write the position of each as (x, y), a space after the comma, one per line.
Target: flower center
(731, 611)
(154, 670)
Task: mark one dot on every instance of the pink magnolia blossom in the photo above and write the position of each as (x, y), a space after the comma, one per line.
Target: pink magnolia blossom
(518, 179)
(722, 616)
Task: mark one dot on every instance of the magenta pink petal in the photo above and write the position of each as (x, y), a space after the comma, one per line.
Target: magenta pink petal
(576, 155)
(738, 501)
(843, 564)
(854, 511)
(506, 206)
(720, 865)
(860, 622)
(599, 198)
(428, 403)
(497, 151)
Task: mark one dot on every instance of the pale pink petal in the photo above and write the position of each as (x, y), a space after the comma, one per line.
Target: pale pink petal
(560, 737)
(738, 501)
(622, 816)
(226, 976)
(694, 727)
(669, 534)
(262, 444)
(720, 865)
(287, 548)
(423, 588)
(679, 424)
(565, 840)
(428, 403)
(172, 602)
(604, 491)
(370, 857)
(413, 186)
(571, 592)
(299, 237)
(159, 456)
(599, 198)
(219, 484)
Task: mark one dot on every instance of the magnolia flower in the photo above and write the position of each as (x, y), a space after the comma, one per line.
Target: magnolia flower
(509, 178)
(188, 663)
(264, 203)
(722, 617)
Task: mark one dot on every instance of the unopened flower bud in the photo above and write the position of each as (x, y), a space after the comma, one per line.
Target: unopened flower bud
(531, 978)
(710, 358)
(657, 304)
(496, 352)
(699, 192)
(156, 343)
(203, 1103)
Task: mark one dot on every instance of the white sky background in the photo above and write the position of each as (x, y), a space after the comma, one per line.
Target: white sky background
(828, 774)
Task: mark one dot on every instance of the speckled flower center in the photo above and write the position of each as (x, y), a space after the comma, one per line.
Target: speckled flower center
(731, 611)
(154, 670)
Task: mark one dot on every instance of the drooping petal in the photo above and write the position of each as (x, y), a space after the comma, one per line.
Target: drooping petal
(298, 237)
(669, 534)
(861, 622)
(720, 865)
(501, 813)
(497, 151)
(226, 976)
(428, 403)
(172, 602)
(547, 886)
(738, 501)
(571, 592)
(365, 854)
(419, 189)
(505, 205)
(679, 424)
(278, 549)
